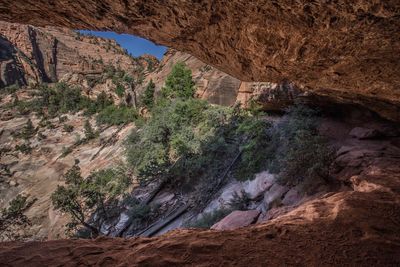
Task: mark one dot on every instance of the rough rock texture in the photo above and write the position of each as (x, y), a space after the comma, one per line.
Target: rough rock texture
(348, 50)
(34, 55)
(38, 173)
(10, 67)
(237, 219)
(351, 228)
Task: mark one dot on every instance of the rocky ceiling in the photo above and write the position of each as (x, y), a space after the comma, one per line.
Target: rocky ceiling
(348, 50)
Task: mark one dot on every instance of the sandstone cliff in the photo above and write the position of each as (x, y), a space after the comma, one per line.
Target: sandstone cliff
(35, 55)
(221, 88)
(347, 50)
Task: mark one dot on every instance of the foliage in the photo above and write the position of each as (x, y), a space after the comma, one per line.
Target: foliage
(13, 219)
(89, 131)
(66, 151)
(239, 201)
(148, 95)
(120, 90)
(179, 83)
(114, 115)
(28, 131)
(255, 142)
(68, 128)
(11, 89)
(299, 152)
(24, 148)
(97, 194)
(178, 129)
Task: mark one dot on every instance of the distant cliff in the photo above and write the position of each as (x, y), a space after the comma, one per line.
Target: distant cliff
(32, 55)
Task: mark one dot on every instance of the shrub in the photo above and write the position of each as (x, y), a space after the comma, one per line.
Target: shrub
(300, 153)
(239, 201)
(89, 131)
(254, 145)
(24, 148)
(68, 128)
(113, 115)
(66, 151)
(120, 90)
(28, 131)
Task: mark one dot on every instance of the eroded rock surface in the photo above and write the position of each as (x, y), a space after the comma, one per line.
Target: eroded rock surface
(347, 50)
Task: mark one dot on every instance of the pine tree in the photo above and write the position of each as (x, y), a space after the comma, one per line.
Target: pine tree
(179, 83)
(148, 96)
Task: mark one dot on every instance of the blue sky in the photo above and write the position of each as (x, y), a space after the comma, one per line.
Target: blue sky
(135, 45)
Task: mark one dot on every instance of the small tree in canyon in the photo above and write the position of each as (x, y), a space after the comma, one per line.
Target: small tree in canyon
(13, 220)
(97, 194)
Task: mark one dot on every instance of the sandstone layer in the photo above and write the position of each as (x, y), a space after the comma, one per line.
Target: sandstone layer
(34, 55)
(347, 50)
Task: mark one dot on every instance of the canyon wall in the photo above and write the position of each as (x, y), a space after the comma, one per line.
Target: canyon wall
(346, 50)
(34, 55)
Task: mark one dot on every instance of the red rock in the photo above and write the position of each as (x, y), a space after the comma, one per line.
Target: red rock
(346, 50)
(237, 219)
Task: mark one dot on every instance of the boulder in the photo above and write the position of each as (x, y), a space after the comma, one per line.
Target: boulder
(292, 197)
(256, 187)
(364, 133)
(275, 193)
(237, 219)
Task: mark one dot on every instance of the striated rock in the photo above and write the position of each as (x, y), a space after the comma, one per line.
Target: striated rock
(345, 50)
(237, 219)
(35, 55)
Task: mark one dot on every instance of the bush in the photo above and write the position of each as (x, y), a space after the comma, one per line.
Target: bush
(28, 131)
(24, 148)
(89, 131)
(68, 128)
(120, 90)
(113, 115)
(66, 151)
(300, 153)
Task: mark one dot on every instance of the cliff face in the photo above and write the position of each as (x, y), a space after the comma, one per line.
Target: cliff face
(35, 55)
(347, 50)
(220, 88)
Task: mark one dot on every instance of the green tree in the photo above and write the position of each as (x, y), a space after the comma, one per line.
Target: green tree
(13, 219)
(29, 130)
(148, 95)
(120, 90)
(89, 132)
(98, 194)
(179, 83)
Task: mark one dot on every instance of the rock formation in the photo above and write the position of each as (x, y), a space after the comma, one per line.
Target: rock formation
(334, 51)
(220, 88)
(346, 50)
(35, 55)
